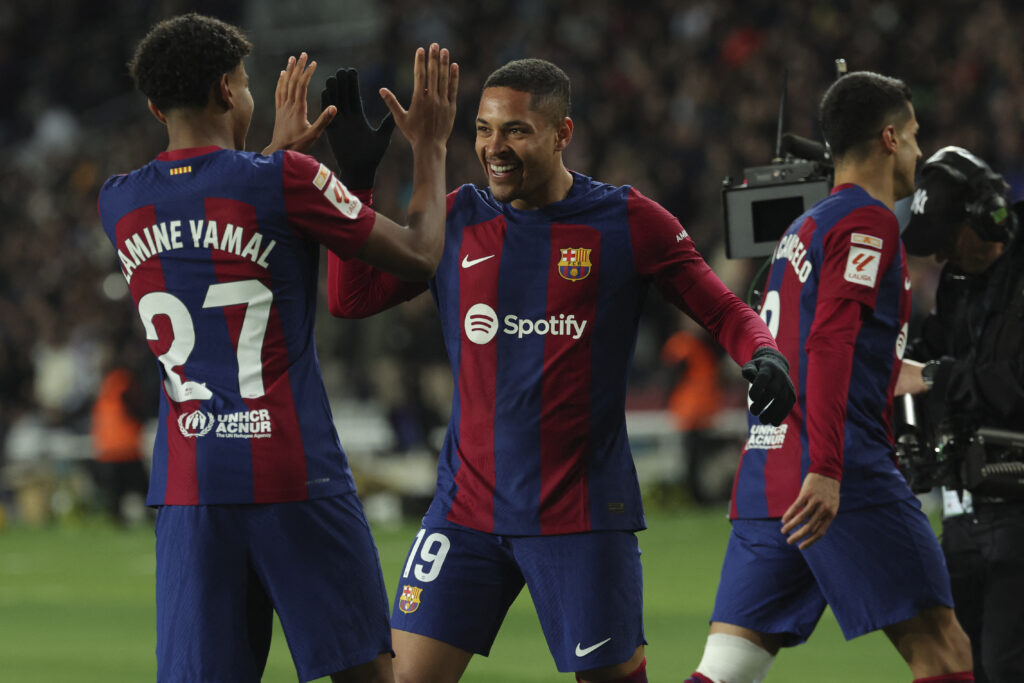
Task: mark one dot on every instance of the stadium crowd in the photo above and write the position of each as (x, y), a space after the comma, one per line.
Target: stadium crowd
(676, 96)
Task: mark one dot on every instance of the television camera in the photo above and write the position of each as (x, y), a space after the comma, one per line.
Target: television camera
(986, 461)
(760, 207)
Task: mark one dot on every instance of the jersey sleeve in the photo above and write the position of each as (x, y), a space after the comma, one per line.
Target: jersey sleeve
(321, 208)
(830, 346)
(356, 289)
(664, 251)
(856, 253)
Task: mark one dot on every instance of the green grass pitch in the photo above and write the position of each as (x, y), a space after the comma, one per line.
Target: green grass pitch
(76, 604)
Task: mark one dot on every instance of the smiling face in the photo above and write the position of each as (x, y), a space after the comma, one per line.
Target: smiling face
(520, 149)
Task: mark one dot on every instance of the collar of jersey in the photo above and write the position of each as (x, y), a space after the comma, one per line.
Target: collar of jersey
(179, 154)
(578, 196)
(844, 186)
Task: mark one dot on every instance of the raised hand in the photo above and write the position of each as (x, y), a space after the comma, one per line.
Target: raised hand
(431, 112)
(358, 147)
(292, 129)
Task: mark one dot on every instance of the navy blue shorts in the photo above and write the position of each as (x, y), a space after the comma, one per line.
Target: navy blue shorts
(457, 585)
(875, 566)
(222, 570)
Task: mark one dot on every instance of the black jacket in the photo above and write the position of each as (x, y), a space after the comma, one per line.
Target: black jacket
(977, 330)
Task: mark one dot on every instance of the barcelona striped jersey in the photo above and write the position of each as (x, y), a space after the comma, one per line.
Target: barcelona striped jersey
(838, 301)
(539, 310)
(220, 249)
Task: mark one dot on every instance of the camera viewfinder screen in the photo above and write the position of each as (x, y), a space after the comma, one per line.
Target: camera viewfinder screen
(773, 216)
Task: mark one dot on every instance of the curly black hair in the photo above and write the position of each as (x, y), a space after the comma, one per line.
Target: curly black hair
(857, 106)
(180, 59)
(547, 84)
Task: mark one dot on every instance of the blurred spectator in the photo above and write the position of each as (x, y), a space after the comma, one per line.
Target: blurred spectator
(696, 397)
(119, 414)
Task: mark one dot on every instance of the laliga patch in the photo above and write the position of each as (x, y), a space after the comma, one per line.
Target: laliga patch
(348, 204)
(409, 601)
(862, 266)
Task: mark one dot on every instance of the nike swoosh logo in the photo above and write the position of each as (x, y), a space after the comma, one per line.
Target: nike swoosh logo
(584, 651)
(906, 283)
(469, 263)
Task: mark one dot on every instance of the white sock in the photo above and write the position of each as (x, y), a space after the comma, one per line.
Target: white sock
(734, 659)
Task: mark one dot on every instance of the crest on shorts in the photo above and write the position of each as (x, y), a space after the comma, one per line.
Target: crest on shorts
(409, 601)
(575, 263)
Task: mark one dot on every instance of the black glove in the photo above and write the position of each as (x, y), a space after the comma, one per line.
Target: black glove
(357, 146)
(771, 391)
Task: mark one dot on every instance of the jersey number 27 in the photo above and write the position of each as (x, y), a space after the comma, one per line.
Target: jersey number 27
(257, 298)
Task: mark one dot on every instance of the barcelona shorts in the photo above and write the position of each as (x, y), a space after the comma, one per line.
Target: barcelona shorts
(222, 570)
(875, 566)
(457, 584)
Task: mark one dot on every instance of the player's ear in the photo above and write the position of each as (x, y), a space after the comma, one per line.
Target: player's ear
(563, 133)
(889, 138)
(221, 92)
(155, 111)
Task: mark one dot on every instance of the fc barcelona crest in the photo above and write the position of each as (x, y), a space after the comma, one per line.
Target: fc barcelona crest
(575, 263)
(409, 602)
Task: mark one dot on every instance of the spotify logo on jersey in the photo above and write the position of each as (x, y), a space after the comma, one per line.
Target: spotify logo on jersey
(481, 323)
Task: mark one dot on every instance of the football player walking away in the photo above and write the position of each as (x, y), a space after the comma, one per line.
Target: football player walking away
(820, 512)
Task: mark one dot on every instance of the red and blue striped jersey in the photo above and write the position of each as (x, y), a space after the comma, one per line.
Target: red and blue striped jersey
(540, 311)
(220, 249)
(838, 301)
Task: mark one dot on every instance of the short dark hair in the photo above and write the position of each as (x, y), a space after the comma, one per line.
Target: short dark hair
(180, 59)
(547, 84)
(857, 106)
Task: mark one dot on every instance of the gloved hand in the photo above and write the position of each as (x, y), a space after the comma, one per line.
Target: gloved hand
(771, 391)
(358, 147)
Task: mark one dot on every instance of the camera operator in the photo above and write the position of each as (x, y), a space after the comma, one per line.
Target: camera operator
(973, 343)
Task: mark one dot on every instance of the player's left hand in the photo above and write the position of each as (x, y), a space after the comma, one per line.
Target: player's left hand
(810, 515)
(292, 129)
(771, 391)
(431, 113)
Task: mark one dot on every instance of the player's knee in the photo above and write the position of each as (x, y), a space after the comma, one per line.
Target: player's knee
(734, 659)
